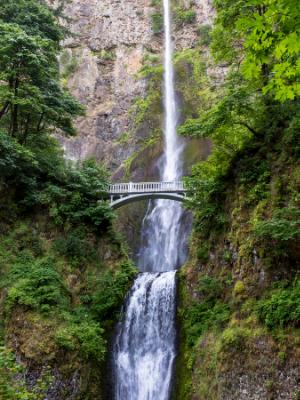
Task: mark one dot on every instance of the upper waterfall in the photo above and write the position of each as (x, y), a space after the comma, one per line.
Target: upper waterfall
(173, 145)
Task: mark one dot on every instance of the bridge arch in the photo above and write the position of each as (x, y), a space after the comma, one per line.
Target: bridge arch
(125, 193)
(122, 201)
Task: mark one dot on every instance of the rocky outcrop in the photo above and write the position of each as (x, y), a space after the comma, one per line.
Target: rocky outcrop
(100, 63)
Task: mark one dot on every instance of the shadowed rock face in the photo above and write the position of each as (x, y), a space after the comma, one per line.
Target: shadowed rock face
(100, 65)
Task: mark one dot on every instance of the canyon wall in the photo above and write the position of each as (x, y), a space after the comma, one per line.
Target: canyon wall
(100, 64)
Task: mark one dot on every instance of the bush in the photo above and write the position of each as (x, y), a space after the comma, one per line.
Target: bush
(210, 287)
(183, 16)
(23, 237)
(283, 226)
(109, 292)
(204, 32)
(86, 337)
(239, 288)
(203, 254)
(35, 284)
(234, 337)
(157, 22)
(78, 199)
(200, 317)
(282, 308)
(209, 312)
(75, 247)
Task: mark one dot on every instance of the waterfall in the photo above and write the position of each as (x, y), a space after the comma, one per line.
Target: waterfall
(144, 349)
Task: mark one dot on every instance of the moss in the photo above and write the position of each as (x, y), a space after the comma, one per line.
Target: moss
(124, 138)
(239, 288)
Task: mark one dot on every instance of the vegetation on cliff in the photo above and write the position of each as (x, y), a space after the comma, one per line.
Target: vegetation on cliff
(240, 289)
(64, 271)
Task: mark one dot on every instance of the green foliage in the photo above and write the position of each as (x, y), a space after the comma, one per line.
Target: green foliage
(31, 98)
(78, 200)
(76, 247)
(267, 35)
(70, 67)
(12, 382)
(283, 226)
(155, 3)
(105, 55)
(234, 337)
(203, 254)
(109, 291)
(282, 307)
(32, 106)
(239, 288)
(41, 177)
(85, 336)
(210, 287)
(35, 284)
(157, 20)
(201, 317)
(184, 16)
(204, 32)
(36, 18)
(209, 312)
(242, 116)
(41, 286)
(144, 108)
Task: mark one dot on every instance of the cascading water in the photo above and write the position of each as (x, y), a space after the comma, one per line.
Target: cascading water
(144, 348)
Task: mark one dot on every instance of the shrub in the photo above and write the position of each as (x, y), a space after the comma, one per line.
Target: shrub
(210, 287)
(227, 256)
(86, 337)
(23, 237)
(157, 22)
(109, 291)
(203, 254)
(202, 316)
(75, 247)
(282, 307)
(35, 284)
(78, 199)
(234, 337)
(209, 312)
(283, 226)
(239, 288)
(183, 16)
(204, 32)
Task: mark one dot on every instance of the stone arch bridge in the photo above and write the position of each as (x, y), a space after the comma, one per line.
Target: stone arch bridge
(125, 193)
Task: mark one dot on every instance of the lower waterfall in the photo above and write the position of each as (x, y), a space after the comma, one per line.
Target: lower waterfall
(145, 345)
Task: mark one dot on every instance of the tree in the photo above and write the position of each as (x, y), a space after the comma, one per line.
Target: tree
(263, 38)
(31, 97)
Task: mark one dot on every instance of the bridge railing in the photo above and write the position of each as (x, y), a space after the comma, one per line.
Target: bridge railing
(146, 187)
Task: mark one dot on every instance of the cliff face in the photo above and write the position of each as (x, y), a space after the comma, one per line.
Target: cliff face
(110, 38)
(100, 64)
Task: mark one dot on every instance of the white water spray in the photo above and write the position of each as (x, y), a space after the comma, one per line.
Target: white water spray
(144, 349)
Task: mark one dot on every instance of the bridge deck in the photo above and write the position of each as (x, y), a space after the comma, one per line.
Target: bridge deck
(147, 187)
